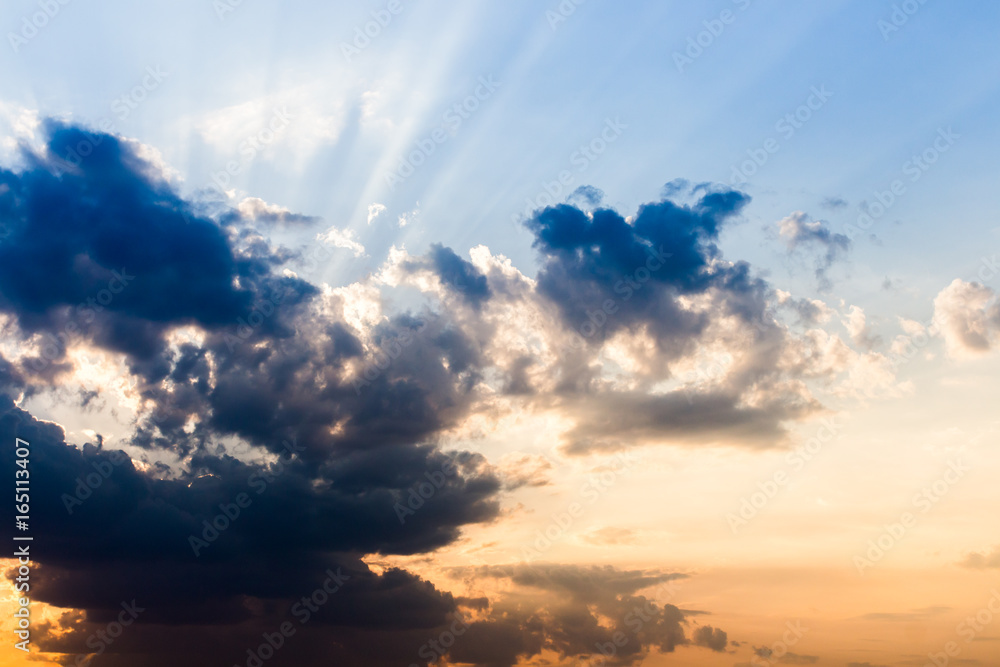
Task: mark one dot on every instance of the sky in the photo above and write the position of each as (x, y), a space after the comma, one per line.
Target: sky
(572, 333)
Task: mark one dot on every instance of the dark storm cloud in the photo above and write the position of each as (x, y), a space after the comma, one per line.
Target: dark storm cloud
(107, 247)
(456, 274)
(113, 533)
(141, 518)
(110, 227)
(606, 274)
(273, 369)
(641, 267)
(264, 373)
(419, 383)
(129, 542)
(565, 609)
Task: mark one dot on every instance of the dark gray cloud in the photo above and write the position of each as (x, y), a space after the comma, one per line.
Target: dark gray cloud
(711, 638)
(641, 268)
(266, 374)
(458, 274)
(561, 608)
(364, 407)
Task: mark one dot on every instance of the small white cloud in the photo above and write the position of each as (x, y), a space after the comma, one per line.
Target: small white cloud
(410, 216)
(857, 326)
(342, 238)
(254, 208)
(374, 210)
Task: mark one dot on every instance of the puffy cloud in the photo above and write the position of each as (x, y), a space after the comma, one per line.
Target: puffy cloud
(572, 610)
(259, 211)
(968, 317)
(857, 326)
(268, 362)
(108, 248)
(374, 211)
(643, 267)
(459, 275)
(711, 638)
(342, 238)
(810, 312)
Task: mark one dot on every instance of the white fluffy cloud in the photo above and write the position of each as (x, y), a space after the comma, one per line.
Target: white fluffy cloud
(968, 317)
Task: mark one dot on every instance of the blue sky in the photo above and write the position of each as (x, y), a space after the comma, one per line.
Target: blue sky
(557, 88)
